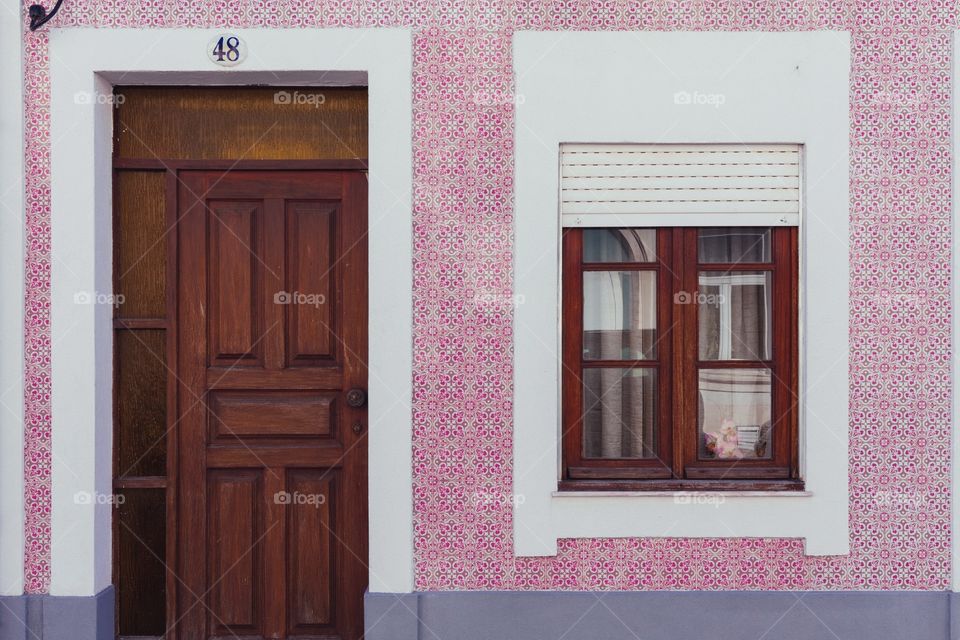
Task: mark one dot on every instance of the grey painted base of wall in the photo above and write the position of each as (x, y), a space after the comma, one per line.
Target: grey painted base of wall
(549, 615)
(663, 615)
(57, 617)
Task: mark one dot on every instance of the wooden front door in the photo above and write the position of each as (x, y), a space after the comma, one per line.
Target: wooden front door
(271, 295)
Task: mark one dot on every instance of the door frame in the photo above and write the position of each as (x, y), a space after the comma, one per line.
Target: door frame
(83, 70)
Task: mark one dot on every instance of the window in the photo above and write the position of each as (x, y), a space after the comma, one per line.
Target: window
(680, 358)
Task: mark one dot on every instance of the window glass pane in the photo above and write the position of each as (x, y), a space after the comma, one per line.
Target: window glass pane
(619, 413)
(735, 315)
(734, 414)
(619, 245)
(140, 241)
(140, 541)
(619, 315)
(140, 435)
(734, 244)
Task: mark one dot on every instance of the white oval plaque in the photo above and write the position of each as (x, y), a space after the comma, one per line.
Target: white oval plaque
(227, 50)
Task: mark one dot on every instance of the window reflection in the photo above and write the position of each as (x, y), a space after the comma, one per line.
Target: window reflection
(733, 245)
(734, 311)
(619, 315)
(619, 417)
(619, 245)
(734, 413)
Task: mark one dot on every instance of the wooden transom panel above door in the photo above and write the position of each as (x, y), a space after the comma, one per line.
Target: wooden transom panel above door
(271, 351)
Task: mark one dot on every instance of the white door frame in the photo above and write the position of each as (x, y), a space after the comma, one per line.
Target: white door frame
(12, 240)
(84, 66)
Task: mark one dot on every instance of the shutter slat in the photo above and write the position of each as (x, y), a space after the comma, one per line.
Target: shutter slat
(705, 207)
(603, 147)
(680, 195)
(683, 170)
(668, 158)
(643, 184)
(680, 182)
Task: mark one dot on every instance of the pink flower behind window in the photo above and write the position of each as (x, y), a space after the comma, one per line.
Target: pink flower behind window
(727, 443)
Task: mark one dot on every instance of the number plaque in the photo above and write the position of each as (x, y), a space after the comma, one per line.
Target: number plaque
(227, 50)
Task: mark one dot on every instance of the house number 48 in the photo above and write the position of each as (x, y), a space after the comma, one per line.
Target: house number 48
(227, 50)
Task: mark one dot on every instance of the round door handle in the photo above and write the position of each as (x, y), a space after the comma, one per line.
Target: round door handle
(356, 398)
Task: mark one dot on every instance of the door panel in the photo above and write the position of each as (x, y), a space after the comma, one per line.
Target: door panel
(311, 555)
(238, 415)
(271, 334)
(234, 271)
(311, 270)
(235, 527)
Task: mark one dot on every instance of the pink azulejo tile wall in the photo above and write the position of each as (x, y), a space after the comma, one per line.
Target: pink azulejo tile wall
(463, 172)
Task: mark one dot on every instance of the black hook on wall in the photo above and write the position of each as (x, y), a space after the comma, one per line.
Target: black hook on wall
(39, 15)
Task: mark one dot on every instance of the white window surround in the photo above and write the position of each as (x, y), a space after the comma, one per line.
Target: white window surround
(91, 61)
(591, 87)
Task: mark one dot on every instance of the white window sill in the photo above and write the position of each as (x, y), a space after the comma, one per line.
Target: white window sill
(681, 494)
(544, 517)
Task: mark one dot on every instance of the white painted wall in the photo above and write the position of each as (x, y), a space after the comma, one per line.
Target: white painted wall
(85, 60)
(599, 87)
(11, 298)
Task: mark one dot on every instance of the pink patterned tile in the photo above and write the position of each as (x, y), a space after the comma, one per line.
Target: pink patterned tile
(463, 162)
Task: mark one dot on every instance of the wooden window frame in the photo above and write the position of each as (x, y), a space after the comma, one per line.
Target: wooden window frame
(677, 466)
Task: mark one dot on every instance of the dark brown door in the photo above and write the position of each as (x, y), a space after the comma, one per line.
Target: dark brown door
(272, 341)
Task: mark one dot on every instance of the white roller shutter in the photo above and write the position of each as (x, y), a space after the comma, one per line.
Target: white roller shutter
(626, 185)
